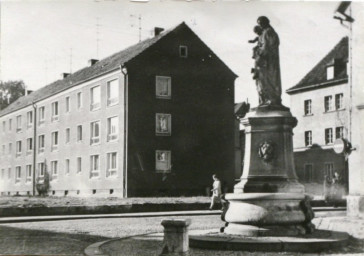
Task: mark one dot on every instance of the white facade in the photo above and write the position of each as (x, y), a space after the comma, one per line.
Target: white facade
(64, 113)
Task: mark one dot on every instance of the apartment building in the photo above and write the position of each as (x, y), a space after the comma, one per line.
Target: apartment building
(320, 103)
(154, 119)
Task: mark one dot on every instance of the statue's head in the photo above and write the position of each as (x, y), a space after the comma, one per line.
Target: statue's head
(258, 30)
(263, 22)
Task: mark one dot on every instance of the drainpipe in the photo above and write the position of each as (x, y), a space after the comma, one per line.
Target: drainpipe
(125, 165)
(34, 144)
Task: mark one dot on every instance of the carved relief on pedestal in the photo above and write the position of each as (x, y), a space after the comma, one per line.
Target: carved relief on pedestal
(267, 151)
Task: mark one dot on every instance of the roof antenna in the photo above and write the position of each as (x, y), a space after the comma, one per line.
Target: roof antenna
(140, 25)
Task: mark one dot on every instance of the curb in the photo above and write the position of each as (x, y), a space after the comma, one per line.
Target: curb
(94, 249)
(107, 216)
(102, 209)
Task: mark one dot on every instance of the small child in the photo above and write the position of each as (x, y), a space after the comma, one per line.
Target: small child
(259, 31)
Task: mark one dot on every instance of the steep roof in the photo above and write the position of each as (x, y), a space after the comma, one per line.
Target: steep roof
(241, 108)
(102, 67)
(317, 76)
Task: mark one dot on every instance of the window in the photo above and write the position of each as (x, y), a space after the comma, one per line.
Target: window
(183, 51)
(18, 123)
(4, 126)
(163, 124)
(41, 169)
(328, 136)
(339, 132)
(113, 92)
(29, 145)
(330, 72)
(10, 148)
(68, 105)
(17, 174)
(163, 161)
(163, 87)
(9, 173)
(329, 170)
(29, 119)
(95, 132)
(41, 143)
(2, 173)
(41, 115)
(54, 111)
(308, 172)
(79, 133)
(95, 166)
(68, 135)
(308, 107)
(112, 164)
(10, 124)
(95, 98)
(79, 100)
(28, 171)
(112, 128)
(328, 103)
(4, 149)
(339, 101)
(79, 164)
(54, 141)
(54, 169)
(67, 166)
(18, 148)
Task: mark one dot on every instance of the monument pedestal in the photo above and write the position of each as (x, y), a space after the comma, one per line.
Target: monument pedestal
(268, 200)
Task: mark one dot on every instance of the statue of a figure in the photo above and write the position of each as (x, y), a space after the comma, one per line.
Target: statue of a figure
(267, 70)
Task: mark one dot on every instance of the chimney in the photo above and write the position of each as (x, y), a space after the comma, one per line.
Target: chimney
(64, 75)
(92, 62)
(157, 31)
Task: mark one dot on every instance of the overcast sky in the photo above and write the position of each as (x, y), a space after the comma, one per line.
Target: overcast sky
(37, 36)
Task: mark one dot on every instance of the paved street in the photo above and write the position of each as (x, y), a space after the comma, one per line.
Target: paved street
(70, 237)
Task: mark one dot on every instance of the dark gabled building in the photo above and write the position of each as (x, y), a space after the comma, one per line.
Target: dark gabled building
(154, 119)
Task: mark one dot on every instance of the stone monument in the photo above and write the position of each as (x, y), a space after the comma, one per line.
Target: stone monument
(268, 200)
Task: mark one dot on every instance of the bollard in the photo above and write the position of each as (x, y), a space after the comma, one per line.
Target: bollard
(175, 239)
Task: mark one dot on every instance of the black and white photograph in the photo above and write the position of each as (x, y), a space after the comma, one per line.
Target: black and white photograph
(181, 127)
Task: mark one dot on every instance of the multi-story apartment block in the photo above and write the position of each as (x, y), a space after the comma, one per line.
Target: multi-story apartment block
(154, 119)
(320, 103)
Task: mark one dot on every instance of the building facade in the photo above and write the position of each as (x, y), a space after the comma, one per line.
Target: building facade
(154, 119)
(320, 104)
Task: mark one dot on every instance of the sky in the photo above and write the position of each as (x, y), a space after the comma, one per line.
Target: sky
(42, 39)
